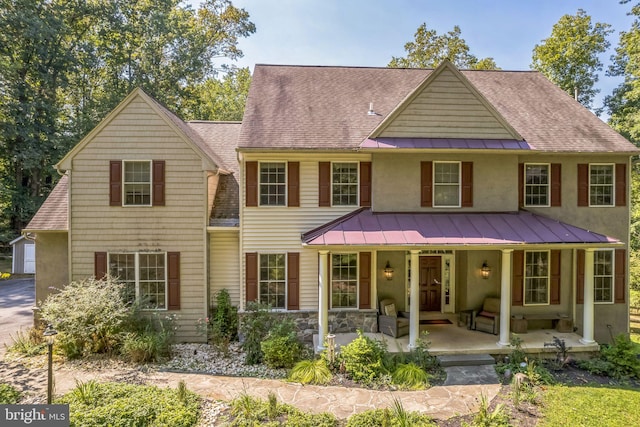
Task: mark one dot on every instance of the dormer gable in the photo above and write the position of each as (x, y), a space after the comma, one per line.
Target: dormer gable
(445, 105)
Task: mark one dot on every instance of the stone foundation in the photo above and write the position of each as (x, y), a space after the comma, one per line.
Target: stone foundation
(339, 322)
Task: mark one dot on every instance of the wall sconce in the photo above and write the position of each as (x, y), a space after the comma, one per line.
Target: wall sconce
(388, 271)
(485, 271)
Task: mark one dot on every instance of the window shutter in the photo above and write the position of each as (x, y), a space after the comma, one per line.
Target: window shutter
(158, 183)
(324, 184)
(365, 184)
(583, 184)
(364, 267)
(100, 265)
(467, 185)
(426, 183)
(173, 273)
(293, 281)
(115, 183)
(580, 277)
(619, 276)
(251, 276)
(293, 184)
(517, 291)
(520, 185)
(621, 184)
(251, 183)
(554, 286)
(556, 184)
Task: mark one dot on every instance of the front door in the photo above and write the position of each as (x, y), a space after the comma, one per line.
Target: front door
(430, 283)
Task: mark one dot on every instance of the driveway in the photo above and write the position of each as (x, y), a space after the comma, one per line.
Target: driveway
(17, 297)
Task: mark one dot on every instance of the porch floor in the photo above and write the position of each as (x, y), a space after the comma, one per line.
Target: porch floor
(453, 339)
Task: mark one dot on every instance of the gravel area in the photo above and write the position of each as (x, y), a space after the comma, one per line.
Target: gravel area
(204, 359)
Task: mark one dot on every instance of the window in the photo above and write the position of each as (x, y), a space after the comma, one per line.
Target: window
(344, 280)
(536, 280)
(144, 275)
(344, 188)
(536, 185)
(446, 184)
(272, 184)
(601, 182)
(137, 183)
(272, 286)
(603, 276)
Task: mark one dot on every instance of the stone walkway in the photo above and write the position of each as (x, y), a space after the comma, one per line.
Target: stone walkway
(439, 402)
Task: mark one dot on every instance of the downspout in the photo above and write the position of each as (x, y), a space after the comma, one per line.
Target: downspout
(69, 257)
(241, 204)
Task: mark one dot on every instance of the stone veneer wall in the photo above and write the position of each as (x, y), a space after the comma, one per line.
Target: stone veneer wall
(339, 322)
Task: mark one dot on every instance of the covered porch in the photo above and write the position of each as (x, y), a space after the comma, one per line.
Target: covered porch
(454, 339)
(535, 264)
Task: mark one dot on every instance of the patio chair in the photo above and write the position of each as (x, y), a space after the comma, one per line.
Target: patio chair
(488, 318)
(389, 322)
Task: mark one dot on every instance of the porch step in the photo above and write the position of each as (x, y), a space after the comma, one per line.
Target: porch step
(466, 360)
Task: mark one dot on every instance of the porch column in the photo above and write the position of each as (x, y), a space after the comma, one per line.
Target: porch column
(505, 298)
(323, 299)
(587, 308)
(414, 297)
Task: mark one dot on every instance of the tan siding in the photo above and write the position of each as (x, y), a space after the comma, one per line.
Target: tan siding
(271, 229)
(446, 108)
(138, 133)
(224, 264)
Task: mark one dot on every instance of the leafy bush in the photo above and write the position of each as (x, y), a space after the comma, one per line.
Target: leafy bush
(225, 317)
(247, 410)
(496, 418)
(9, 395)
(151, 338)
(119, 404)
(281, 348)
(90, 316)
(396, 416)
(311, 372)
(618, 361)
(362, 359)
(410, 376)
(254, 328)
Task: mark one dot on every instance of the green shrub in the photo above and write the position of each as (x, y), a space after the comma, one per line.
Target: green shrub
(311, 372)
(410, 376)
(396, 416)
(151, 338)
(118, 404)
(254, 328)
(362, 359)
(9, 395)
(247, 410)
(90, 316)
(485, 418)
(225, 316)
(617, 361)
(281, 348)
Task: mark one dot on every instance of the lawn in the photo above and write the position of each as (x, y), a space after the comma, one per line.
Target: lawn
(590, 406)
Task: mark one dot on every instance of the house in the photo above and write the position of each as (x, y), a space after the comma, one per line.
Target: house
(347, 185)
(24, 256)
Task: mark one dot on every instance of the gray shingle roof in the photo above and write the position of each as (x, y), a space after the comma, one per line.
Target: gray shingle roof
(221, 138)
(325, 108)
(53, 214)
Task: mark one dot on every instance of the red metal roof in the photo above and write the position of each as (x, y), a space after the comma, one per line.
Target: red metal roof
(363, 227)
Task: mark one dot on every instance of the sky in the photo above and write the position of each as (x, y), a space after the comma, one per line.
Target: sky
(371, 32)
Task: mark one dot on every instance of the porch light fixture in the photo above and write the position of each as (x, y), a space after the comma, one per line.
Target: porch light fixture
(485, 271)
(388, 271)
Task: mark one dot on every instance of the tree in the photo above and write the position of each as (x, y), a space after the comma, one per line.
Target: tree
(222, 99)
(623, 104)
(429, 49)
(65, 64)
(569, 57)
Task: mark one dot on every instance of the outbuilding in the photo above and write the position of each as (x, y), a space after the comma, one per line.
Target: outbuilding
(24, 256)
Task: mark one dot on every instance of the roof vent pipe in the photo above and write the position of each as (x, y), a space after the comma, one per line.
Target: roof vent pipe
(371, 112)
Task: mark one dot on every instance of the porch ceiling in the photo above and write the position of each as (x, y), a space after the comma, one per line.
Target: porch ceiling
(364, 227)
